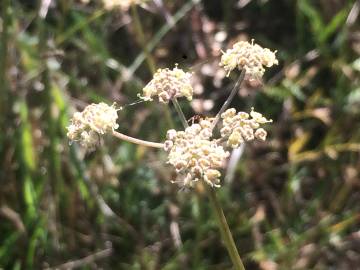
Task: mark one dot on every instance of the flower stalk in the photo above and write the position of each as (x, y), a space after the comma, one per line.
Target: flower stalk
(136, 141)
(193, 152)
(225, 230)
(180, 112)
(219, 213)
(230, 98)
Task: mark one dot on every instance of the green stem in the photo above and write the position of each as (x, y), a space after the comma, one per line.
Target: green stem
(151, 44)
(50, 123)
(198, 215)
(149, 59)
(140, 32)
(5, 15)
(230, 98)
(180, 112)
(225, 231)
(223, 226)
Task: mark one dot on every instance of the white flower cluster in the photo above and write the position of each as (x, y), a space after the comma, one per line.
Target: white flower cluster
(239, 127)
(249, 56)
(94, 120)
(123, 4)
(168, 84)
(194, 155)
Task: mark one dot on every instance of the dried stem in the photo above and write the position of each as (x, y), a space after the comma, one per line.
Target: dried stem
(136, 141)
(88, 260)
(225, 230)
(230, 98)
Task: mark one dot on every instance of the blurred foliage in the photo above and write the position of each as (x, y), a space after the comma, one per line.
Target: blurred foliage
(293, 201)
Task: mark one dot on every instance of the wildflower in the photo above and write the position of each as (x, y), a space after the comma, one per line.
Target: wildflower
(168, 84)
(123, 4)
(194, 155)
(95, 120)
(249, 56)
(241, 127)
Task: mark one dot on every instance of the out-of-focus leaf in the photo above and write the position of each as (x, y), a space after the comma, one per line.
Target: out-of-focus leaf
(79, 26)
(323, 114)
(295, 89)
(321, 31)
(27, 148)
(356, 64)
(36, 237)
(331, 150)
(278, 92)
(298, 144)
(58, 98)
(353, 101)
(7, 246)
(27, 158)
(314, 17)
(333, 25)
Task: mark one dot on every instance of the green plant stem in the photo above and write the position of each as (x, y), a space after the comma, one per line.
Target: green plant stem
(149, 59)
(140, 32)
(180, 112)
(5, 15)
(220, 217)
(230, 98)
(50, 123)
(224, 228)
(225, 231)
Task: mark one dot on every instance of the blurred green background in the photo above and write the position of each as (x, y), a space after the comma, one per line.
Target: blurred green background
(292, 202)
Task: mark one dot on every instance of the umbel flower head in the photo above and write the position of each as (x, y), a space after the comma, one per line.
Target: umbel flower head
(168, 84)
(93, 121)
(194, 155)
(241, 127)
(249, 56)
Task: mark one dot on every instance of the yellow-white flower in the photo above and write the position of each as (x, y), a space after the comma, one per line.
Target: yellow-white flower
(239, 127)
(249, 56)
(93, 121)
(194, 155)
(168, 84)
(123, 4)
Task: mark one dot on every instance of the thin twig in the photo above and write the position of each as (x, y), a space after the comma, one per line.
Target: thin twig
(14, 217)
(180, 112)
(137, 141)
(230, 98)
(84, 261)
(168, 17)
(353, 14)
